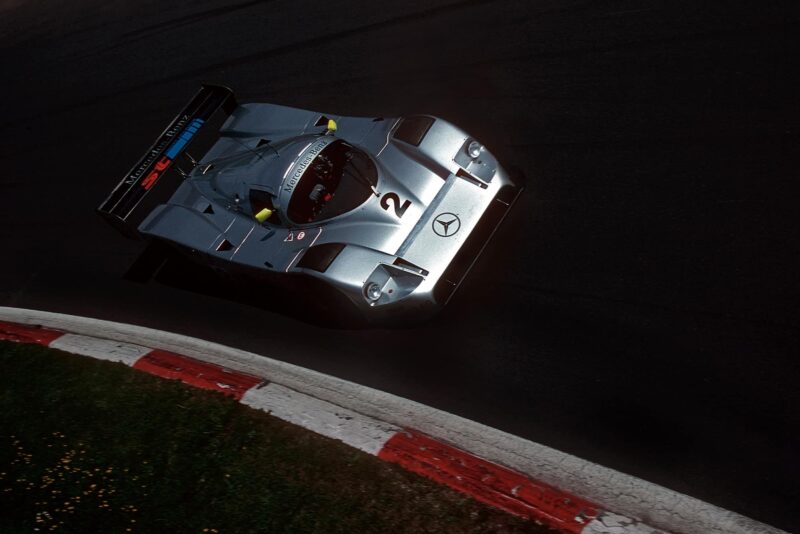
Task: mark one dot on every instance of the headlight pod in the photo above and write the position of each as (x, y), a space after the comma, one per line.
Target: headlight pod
(474, 149)
(373, 291)
(389, 284)
(476, 160)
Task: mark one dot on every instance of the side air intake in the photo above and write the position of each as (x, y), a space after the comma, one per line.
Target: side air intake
(412, 130)
(319, 258)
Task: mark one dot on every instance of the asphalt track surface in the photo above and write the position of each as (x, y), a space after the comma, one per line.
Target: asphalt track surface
(639, 308)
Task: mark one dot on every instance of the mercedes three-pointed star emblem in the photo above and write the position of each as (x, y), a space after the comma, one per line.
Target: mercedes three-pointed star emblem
(446, 224)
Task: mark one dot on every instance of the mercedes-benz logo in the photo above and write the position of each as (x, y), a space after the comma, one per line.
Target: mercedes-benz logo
(446, 224)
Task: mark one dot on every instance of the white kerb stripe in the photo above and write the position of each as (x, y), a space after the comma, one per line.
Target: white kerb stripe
(359, 431)
(102, 349)
(610, 523)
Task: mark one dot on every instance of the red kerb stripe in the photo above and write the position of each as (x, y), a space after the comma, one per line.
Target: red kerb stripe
(488, 482)
(28, 333)
(196, 373)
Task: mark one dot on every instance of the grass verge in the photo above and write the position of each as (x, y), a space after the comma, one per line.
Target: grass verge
(93, 446)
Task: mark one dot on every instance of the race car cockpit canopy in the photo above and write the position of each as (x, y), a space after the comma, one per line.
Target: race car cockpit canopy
(331, 177)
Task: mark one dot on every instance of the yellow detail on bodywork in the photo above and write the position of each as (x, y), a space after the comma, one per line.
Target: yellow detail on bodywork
(331, 125)
(263, 215)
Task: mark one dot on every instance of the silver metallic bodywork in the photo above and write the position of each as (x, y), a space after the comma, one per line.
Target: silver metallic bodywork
(406, 252)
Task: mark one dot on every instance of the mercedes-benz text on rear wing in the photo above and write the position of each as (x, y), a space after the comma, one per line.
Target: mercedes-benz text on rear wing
(126, 206)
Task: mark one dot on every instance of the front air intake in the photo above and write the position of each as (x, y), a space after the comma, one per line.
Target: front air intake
(472, 247)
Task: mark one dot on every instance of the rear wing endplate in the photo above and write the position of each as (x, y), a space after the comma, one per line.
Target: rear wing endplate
(124, 207)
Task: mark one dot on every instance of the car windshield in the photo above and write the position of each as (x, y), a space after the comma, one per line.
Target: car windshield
(339, 179)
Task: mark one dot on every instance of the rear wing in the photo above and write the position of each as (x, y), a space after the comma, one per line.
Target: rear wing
(125, 207)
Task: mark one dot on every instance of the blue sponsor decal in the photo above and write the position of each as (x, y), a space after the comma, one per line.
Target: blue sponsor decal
(185, 136)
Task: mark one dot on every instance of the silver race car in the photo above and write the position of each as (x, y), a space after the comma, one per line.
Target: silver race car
(388, 213)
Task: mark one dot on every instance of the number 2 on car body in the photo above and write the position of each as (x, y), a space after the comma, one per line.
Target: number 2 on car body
(399, 209)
